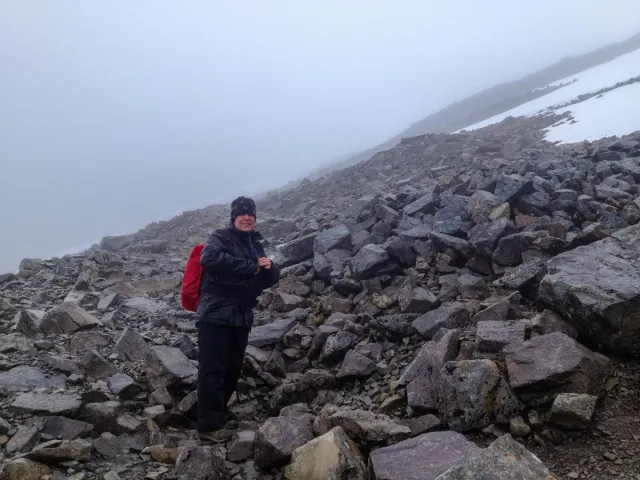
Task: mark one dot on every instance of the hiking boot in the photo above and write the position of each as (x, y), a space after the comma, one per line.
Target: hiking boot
(219, 436)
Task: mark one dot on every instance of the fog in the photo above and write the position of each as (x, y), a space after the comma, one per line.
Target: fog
(115, 114)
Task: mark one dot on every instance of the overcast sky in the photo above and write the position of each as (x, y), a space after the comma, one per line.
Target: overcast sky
(114, 114)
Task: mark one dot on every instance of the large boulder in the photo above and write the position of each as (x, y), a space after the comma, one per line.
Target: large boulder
(598, 287)
(368, 260)
(504, 459)
(546, 365)
(422, 457)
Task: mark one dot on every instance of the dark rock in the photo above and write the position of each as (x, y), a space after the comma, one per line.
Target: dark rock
(548, 364)
(271, 333)
(597, 287)
(484, 238)
(278, 437)
(355, 365)
(491, 336)
(426, 456)
(333, 238)
(368, 261)
(167, 366)
(67, 318)
(452, 315)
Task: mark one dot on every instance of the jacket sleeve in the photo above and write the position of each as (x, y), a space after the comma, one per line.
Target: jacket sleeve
(216, 256)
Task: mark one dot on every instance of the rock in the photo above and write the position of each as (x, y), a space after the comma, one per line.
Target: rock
(417, 300)
(484, 237)
(400, 252)
(504, 459)
(63, 428)
(123, 385)
(550, 322)
(96, 366)
(47, 403)
(336, 238)
(271, 333)
(600, 305)
(473, 395)
(338, 345)
(519, 427)
(368, 260)
(452, 315)
(367, 428)
(25, 378)
(284, 302)
(24, 439)
(481, 205)
(25, 469)
(511, 247)
(423, 424)
(67, 318)
(332, 456)
(61, 451)
(393, 326)
(454, 247)
(295, 251)
(425, 203)
(200, 463)
(424, 457)
(131, 346)
(549, 364)
(241, 446)
(355, 365)
(278, 437)
(168, 366)
(492, 336)
(115, 243)
(573, 411)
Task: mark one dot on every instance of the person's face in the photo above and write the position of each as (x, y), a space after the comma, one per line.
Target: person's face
(245, 223)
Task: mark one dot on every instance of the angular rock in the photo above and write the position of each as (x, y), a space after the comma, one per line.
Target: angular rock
(96, 366)
(241, 446)
(67, 318)
(284, 302)
(25, 378)
(597, 287)
(367, 428)
(573, 411)
(25, 469)
(271, 333)
(473, 395)
(451, 315)
(336, 238)
(278, 437)
(484, 237)
(338, 345)
(504, 459)
(168, 366)
(61, 451)
(47, 403)
(425, 203)
(295, 251)
(417, 300)
(549, 364)
(481, 204)
(368, 261)
(424, 457)
(492, 336)
(332, 456)
(123, 385)
(355, 365)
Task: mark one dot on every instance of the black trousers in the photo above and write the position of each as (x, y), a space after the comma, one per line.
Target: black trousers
(221, 353)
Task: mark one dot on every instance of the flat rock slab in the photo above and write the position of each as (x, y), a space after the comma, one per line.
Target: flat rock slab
(423, 457)
(550, 364)
(598, 287)
(25, 378)
(492, 336)
(504, 459)
(271, 333)
(47, 403)
(67, 318)
(451, 315)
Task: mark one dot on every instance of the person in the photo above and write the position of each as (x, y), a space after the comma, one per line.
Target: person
(235, 272)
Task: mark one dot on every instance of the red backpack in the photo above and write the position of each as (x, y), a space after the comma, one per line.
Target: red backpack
(191, 280)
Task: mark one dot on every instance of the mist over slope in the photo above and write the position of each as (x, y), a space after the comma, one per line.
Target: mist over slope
(497, 99)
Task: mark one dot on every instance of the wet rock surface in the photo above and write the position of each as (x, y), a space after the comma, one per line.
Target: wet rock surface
(443, 306)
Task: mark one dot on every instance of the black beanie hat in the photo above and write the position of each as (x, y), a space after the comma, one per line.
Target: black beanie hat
(242, 206)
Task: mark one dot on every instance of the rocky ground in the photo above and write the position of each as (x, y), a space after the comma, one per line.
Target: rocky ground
(461, 306)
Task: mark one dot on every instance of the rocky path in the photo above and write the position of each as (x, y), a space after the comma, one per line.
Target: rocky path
(453, 308)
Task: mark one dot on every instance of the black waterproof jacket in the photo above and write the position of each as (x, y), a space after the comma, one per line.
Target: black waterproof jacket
(229, 286)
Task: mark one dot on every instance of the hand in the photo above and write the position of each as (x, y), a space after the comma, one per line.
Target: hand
(264, 262)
